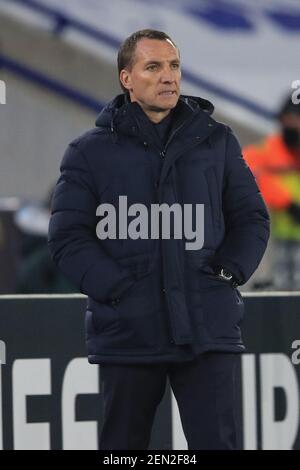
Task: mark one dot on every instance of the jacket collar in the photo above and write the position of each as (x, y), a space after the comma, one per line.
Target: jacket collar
(121, 115)
(191, 128)
(192, 125)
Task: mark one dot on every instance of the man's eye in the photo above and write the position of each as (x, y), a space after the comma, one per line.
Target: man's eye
(175, 66)
(152, 67)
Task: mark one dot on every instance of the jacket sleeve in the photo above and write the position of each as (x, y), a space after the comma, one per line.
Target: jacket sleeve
(247, 222)
(72, 238)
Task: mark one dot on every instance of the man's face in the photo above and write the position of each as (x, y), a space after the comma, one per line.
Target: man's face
(154, 79)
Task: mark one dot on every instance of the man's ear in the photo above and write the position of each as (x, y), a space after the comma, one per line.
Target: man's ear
(125, 79)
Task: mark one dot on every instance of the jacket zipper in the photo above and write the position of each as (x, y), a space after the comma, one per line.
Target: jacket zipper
(165, 289)
(171, 136)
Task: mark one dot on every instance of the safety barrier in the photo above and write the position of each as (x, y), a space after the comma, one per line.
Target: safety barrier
(50, 395)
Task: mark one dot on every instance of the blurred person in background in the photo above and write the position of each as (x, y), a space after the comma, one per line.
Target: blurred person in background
(36, 272)
(155, 309)
(275, 162)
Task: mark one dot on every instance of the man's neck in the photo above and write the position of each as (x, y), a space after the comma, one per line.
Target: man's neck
(155, 116)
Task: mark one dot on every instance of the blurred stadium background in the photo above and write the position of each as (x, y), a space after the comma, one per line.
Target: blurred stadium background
(58, 62)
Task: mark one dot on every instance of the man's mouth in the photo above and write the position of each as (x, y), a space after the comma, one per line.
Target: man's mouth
(167, 93)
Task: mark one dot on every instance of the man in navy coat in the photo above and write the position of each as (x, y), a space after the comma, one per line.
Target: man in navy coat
(158, 304)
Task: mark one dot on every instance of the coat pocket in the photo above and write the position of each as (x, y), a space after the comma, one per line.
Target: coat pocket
(102, 318)
(139, 264)
(223, 311)
(199, 274)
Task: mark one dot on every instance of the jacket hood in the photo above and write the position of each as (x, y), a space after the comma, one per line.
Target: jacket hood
(121, 104)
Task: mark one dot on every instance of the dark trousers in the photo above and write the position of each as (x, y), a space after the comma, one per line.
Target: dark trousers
(205, 390)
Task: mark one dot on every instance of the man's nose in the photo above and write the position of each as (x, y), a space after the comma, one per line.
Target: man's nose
(167, 76)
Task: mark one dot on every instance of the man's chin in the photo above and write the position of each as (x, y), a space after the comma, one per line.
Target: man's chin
(163, 107)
